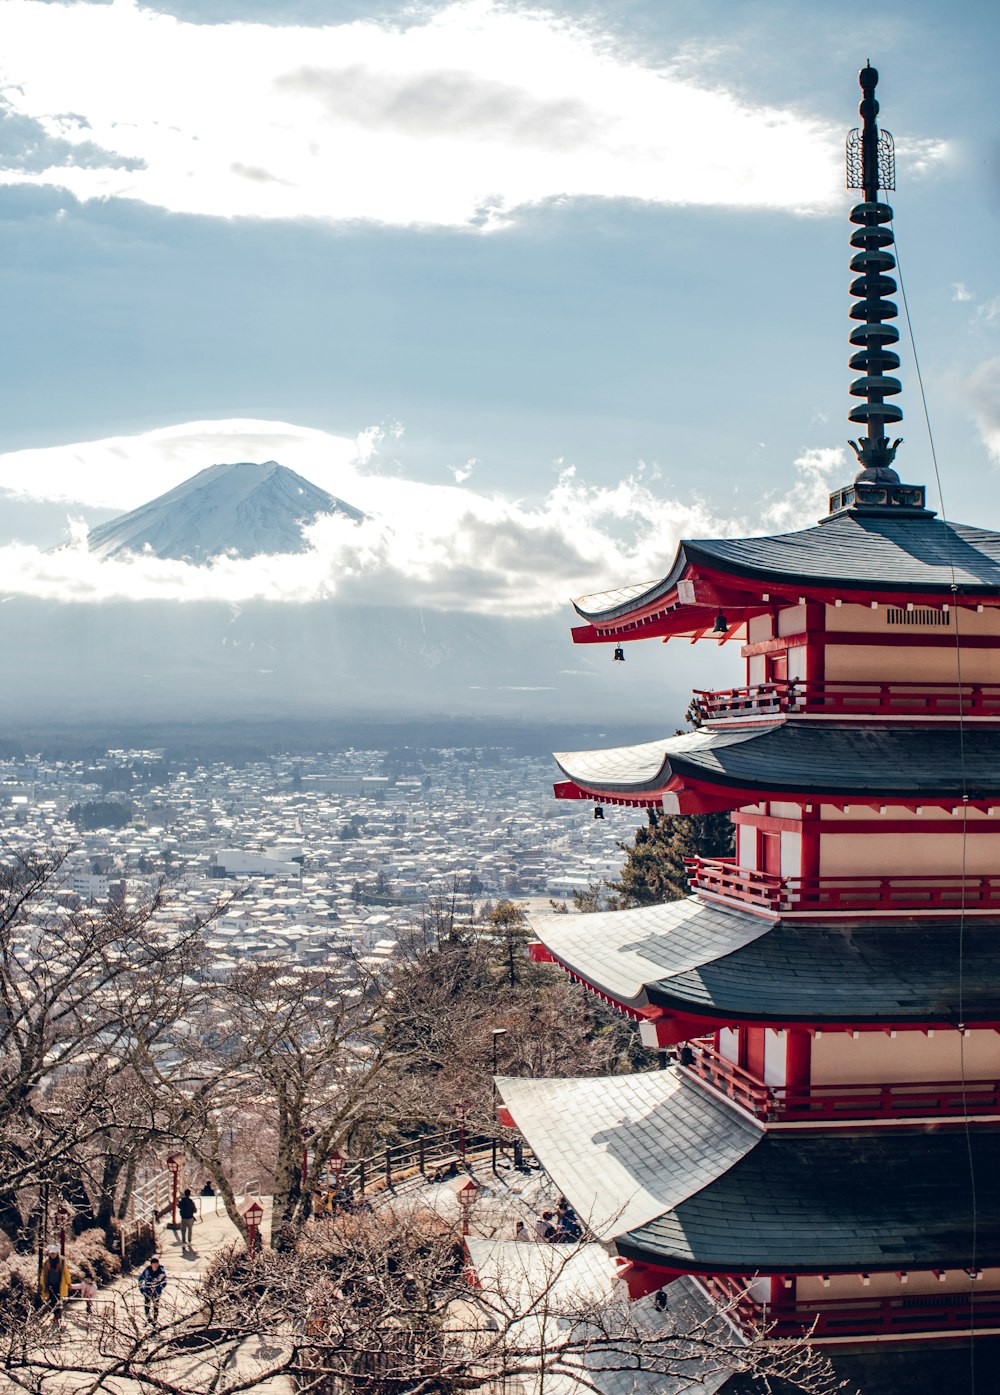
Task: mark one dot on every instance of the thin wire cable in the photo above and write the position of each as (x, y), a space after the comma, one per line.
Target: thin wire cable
(965, 813)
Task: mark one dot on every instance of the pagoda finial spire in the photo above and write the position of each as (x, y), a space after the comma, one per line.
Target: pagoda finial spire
(871, 167)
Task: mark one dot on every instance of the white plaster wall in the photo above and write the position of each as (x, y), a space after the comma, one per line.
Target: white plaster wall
(875, 1057)
(729, 1045)
(910, 663)
(759, 628)
(862, 618)
(746, 845)
(774, 1057)
(809, 1289)
(782, 810)
(919, 854)
(756, 670)
(831, 816)
(797, 661)
(791, 854)
(792, 621)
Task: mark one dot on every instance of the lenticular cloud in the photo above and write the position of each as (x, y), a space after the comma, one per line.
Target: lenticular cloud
(442, 547)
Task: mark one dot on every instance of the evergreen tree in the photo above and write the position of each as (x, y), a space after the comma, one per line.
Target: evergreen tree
(655, 870)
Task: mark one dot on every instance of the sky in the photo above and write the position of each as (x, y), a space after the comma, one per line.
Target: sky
(541, 288)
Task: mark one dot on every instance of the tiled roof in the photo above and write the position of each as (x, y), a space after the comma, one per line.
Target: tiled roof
(701, 958)
(894, 1368)
(626, 1148)
(558, 1287)
(621, 952)
(876, 1199)
(847, 552)
(802, 756)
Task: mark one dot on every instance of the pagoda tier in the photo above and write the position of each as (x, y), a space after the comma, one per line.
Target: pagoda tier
(681, 1183)
(943, 1368)
(848, 558)
(696, 967)
(823, 1153)
(790, 760)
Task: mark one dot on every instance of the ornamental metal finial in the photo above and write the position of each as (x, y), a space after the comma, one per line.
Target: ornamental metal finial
(870, 167)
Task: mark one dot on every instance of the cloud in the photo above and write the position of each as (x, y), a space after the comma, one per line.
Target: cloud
(961, 292)
(439, 547)
(983, 389)
(122, 472)
(455, 118)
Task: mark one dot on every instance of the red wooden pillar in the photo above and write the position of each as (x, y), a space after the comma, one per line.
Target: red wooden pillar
(798, 1063)
(815, 652)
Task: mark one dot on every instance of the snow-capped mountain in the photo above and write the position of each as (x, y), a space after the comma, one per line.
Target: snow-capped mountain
(244, 509)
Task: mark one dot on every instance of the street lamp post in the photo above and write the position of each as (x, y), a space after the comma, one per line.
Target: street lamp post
(498, 1032)
(468, 1191)
(174, 1161)
(460, 1112)
(253, 1216)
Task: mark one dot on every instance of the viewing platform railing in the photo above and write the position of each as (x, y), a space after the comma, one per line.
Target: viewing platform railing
(860, 1316)
(723, 877)
(844, 698)
(430, 1155)
(914, 1099)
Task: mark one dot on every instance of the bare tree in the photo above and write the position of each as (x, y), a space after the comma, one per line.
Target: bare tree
(304, 1052)
(382, 1304)
(77, 987)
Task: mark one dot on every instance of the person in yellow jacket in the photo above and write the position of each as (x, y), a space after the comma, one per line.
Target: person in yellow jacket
(54, 1281)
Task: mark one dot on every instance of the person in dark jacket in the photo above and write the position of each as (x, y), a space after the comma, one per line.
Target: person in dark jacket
(187, 1208)
(152, 1282)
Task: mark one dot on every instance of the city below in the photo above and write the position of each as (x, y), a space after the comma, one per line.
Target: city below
(324, 851)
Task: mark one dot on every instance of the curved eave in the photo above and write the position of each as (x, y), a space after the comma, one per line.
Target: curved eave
(792, 760)
(626, 1148)
(836, 1203)
(888, 560)
(701, 966)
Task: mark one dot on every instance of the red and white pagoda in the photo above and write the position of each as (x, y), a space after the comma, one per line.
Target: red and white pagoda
(826, 1153)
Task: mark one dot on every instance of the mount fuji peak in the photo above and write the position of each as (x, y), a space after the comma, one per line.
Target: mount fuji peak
(243, 510)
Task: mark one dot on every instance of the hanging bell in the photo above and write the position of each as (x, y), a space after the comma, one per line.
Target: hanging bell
(598, 811)
(721, 626)
(619, 655)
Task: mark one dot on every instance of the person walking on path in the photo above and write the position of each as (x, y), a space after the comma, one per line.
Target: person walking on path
(53, 1282)
(188, 1209)
(152, 1282)
(208, 1194)
(87, 1289)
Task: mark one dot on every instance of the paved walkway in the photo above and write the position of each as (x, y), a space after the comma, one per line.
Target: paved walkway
(119, 1319)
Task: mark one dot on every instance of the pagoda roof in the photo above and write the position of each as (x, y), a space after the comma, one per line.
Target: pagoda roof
(547, 1292)
(681, 1181)
(843, 553)
(627, 1148)
(798, 758)
(895, 1368)
(704, 960)
(878, 1199)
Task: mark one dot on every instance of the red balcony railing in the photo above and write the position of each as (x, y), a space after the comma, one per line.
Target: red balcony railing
(721, 876)
(913, 1099)
(857, 1317)
(842, 698)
